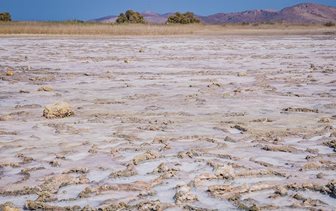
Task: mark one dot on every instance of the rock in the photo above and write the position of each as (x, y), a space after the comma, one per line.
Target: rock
(10, 73)
(281, 191)
(241, 74)
(225, 172)
(58, 110)
(230, 139)
(45, 89)
(184, 195)
(55, 163)
(331, 188)
(239, 127)
(320, 175)
(24, 91)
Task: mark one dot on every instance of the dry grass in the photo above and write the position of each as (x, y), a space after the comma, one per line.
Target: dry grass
(92, 29)
(63, 28)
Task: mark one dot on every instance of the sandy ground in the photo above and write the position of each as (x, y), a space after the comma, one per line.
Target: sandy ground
(177, 123)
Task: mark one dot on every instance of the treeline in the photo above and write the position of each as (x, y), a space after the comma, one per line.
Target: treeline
(132, 17)
(178, 18)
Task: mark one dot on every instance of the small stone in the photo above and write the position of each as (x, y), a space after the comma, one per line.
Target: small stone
(320, 175)
(58, 110)
(281, 191)
(45, 89)
(10, 73)
(54, 163)
(242, 74)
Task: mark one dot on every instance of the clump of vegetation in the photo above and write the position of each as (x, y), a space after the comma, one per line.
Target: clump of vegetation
(130, 17)
(182, 18)
(5, 16)
(329, 24)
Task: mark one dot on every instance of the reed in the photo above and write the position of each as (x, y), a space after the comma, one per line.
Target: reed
(76, 28)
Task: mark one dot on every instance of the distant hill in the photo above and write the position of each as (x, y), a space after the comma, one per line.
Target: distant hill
(150, 17)
(300, 13)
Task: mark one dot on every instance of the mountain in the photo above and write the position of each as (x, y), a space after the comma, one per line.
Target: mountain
(106, 19)
(300, 13)
(307, 13)
(252, 16)
(151, 17)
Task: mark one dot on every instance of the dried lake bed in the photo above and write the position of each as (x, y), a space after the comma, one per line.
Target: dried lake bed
(169, 123)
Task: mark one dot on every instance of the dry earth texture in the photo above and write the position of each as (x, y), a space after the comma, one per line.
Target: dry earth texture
(69, 28)
(168, 123)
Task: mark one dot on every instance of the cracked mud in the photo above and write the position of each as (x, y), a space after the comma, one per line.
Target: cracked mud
(187, 123)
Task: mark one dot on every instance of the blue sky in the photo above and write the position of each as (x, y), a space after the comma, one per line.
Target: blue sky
(89, 9)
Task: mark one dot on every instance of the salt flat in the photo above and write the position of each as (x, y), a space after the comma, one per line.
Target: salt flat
(169, 123)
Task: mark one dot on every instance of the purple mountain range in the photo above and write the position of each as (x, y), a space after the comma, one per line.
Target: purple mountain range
(301, 14)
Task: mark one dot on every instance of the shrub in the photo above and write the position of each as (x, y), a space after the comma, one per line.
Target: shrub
(329, 24)
(5, 16)
(182, 18)
(130, 17)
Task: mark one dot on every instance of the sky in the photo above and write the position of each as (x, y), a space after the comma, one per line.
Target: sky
(55, 10)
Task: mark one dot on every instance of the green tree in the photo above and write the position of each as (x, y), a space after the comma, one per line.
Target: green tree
(5, 16)
(130, 17)
(182, 18)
